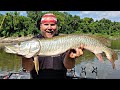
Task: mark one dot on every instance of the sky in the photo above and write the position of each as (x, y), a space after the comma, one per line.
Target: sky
(96, 15)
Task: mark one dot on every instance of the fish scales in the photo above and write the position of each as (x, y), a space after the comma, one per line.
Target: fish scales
(58, 45)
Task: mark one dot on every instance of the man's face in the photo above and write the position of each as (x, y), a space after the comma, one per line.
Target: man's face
(48, 29)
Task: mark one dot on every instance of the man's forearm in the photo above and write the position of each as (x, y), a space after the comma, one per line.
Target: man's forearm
(69, 63)
(27, 63)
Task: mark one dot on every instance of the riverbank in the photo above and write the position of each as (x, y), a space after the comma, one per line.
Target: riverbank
(114, 37)
(117, 37)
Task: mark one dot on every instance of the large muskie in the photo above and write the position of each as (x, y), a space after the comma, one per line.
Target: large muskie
(60, 44)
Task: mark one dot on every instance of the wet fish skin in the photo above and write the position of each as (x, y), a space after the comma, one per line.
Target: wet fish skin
(59, 44)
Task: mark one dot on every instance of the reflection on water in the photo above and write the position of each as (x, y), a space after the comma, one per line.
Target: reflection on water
(104, 70)
(87, 56)
(115, 44)
(10, 62)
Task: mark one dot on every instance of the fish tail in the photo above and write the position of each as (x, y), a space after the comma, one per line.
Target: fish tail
(112, 56)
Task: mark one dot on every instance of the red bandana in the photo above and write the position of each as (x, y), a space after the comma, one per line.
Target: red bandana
(49, 17)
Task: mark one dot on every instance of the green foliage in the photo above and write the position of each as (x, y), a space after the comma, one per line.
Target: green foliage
(16, 25)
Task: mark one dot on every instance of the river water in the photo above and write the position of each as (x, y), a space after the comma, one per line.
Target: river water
(86, 66)
(90, 67)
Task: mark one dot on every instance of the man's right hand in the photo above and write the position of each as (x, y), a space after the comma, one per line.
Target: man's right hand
(78, 53)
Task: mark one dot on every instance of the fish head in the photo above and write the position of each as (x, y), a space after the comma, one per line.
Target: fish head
(11, 48)
(27, 48)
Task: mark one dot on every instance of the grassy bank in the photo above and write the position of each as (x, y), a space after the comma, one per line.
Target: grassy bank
(115, 37)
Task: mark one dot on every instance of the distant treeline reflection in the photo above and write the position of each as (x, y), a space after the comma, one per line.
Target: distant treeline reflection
(9, 62)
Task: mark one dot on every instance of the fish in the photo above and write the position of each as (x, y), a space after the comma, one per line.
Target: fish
(59, 44)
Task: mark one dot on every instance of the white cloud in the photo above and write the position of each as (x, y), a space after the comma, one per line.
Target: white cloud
(97, 15)
(23, 13)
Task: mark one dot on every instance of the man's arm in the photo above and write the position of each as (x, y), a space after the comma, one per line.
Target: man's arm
(69, 61)
(27, 63)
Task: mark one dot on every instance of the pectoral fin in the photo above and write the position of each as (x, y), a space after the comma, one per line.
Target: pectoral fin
(99, 56)
(36, 62)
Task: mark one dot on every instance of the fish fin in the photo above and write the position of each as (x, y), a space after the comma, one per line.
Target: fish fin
(36, 62)
(113, 65)
(113, 57)
(100, 58)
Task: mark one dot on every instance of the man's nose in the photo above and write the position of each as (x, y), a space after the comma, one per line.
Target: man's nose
(49, 27)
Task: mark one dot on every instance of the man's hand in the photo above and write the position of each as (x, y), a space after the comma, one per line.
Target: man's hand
(76, 53)
(71, 55)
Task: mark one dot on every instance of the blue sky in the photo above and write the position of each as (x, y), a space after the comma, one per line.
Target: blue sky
(96, 15)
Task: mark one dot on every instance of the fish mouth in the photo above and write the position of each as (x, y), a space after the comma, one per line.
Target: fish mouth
(8, 50)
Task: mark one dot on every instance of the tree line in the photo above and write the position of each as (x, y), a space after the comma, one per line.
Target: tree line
(12, 24)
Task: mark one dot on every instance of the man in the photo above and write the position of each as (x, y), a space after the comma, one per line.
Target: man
(51, 67)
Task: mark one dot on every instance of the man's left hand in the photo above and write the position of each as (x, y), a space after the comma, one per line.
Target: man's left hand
(78, 53)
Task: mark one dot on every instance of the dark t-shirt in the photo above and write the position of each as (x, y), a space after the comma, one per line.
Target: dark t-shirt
(51, 67)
